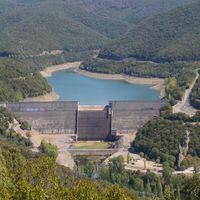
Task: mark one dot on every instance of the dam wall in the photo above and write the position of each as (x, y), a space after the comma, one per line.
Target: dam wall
(128, 116)
(86, 122)
(48, 117)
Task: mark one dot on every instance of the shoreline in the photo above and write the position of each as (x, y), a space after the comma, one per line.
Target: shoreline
(47, 72)
(154, 83)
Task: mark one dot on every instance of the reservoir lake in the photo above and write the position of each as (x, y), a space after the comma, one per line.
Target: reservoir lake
(71, 86)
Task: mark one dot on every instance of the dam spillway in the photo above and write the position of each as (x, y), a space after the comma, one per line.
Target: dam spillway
(86, 122)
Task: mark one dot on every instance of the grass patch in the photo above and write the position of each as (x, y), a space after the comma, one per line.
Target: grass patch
(93, 145)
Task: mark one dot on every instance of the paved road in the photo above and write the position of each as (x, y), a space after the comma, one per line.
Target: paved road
(184, 105)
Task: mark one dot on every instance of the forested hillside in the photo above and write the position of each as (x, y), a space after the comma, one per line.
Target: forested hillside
(32, 30)
(31, 27)
(132, 11)
(166, 37)
(18, 81)
(160, 138)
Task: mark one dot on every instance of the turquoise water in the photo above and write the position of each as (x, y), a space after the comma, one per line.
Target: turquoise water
(72, 86)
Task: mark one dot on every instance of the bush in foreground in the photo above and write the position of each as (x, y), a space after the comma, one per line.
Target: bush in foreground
(48, 149)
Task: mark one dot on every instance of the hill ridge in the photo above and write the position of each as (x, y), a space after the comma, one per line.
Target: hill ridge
(157, 38)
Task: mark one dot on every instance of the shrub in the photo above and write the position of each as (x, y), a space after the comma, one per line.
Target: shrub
(25, 126)
(49, 149)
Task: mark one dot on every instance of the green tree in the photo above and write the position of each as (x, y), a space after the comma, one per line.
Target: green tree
(25, 126)
(23, 190)
(105, 173)
(192, 188)
(116, 165)
(138, 184)
(178, 193)
(18, 96)
(159, 189)
(85, 189)
(115, 193)
(167, 173)
(148, 188)
(89, 169)
(49, 149)
(169, 193)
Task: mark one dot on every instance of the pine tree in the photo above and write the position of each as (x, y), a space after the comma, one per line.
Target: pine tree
(178, 194)
(159, 189)
(169, 193)
(148, 188)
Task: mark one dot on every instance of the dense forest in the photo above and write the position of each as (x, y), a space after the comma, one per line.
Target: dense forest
(18, 81)
(45, 30)
(131, 11)
(170, 36)
(160, 138)
(135, 68)
(31, 27)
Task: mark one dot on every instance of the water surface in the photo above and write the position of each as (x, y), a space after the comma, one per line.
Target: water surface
(72, 86)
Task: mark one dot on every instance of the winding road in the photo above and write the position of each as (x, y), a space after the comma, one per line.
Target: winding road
(184, 106)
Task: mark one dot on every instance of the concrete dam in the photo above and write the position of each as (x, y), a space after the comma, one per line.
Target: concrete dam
(86, 122)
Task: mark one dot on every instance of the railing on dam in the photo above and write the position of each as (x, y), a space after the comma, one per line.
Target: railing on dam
(90, 152)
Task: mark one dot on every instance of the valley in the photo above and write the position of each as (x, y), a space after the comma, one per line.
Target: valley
(99, 100)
